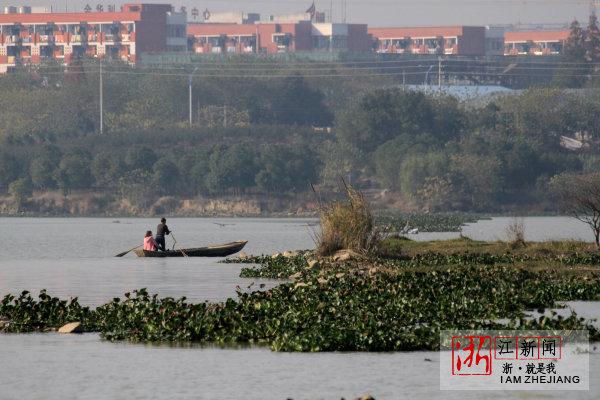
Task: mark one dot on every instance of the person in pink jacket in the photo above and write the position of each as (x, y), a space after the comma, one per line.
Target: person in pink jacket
(149, 242)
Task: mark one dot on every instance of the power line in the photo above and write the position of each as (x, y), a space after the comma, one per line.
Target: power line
(435, 3)
(319, 65)
(302, 71)
(336, 75)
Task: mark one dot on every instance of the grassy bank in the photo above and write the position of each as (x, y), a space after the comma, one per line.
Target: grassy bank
(366, 304)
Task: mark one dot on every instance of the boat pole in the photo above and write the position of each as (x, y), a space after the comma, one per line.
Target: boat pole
(174, 243)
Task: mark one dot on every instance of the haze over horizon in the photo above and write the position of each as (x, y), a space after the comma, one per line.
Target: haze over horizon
(382, 12)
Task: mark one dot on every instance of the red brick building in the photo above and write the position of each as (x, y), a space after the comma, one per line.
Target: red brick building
(136, 28)
(451, 40)
(271, 37)
(538, 43)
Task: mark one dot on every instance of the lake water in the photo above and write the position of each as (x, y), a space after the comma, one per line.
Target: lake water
(74, 257)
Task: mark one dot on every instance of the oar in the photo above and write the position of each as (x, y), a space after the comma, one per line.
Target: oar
(125, 252)
(175, 242)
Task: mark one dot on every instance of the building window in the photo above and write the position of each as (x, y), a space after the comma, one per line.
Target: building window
(282, 40)
(176, 31)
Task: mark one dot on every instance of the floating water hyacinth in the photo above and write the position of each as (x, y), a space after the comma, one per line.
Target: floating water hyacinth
(374, 304)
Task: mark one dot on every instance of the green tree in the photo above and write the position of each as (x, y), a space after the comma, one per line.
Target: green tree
(10, 168)
(389, 157)
(74, 172)
(141, 157)
(415, 170)
(19, 191)
(43, 166)
(107, 168)
(575, 46)
(286, 101)
(382, 115)
(340, 159)
(574, 68)
(231, 168)
(592, 40)
(478, 180)
(166, 176)
(42, 174)
(193, 164)
(284, 169)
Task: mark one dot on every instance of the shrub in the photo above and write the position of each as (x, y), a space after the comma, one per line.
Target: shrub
(347, 224)
(19, 191)
(515, 232)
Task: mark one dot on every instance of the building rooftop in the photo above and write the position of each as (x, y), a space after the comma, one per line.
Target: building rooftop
(129, 12)
(430, 31)
(536, 36)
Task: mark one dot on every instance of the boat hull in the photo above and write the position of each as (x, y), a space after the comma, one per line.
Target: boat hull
(221, 250)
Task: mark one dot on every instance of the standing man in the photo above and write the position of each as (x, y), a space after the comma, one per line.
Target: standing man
(161, 230)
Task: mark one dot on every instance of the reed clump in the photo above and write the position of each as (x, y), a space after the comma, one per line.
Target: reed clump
(515, 231)
(347, 224)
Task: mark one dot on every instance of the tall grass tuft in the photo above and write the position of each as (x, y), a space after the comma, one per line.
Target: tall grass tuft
(347, 224)
(515, 232)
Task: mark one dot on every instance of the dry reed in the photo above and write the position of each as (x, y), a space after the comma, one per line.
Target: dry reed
(347, 224)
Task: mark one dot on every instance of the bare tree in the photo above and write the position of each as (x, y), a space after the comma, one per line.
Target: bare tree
(579, 195)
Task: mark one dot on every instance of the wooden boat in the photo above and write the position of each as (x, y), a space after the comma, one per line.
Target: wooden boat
(220, 250)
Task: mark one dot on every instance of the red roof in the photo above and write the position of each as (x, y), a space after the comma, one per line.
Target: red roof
(220, 29)
(215, 29)
(132, 12)
(425, 31)
(536, 36)
(41, 18)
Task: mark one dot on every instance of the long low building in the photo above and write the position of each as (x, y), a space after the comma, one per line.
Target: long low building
(451, 40)
(273, 37)
(538, 43)
(32, 35)
(37, 37)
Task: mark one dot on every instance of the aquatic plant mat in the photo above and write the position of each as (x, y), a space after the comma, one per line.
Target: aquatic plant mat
(376, 304)
(394, 221)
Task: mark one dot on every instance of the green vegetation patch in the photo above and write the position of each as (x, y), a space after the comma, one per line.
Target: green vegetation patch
(398, 222)
(273, 267)
(376, 305)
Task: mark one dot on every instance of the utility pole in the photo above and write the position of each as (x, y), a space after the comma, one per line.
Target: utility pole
(426, 83)
(190, 95)
(224, 116)
(439, 72)
(101, 101)
(331, 12)
(190, 98)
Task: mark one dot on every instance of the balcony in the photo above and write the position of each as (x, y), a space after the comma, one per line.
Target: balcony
(13, 39)
(61, 38)
(49, 39)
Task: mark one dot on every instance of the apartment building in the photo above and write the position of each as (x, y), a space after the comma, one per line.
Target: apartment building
(273, 37)
(536, 43)
(449, 40)
(29, 37)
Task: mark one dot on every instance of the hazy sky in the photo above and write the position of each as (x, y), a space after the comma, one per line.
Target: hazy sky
(388, 12)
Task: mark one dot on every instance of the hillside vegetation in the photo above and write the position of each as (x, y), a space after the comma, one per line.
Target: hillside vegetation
(275, 135)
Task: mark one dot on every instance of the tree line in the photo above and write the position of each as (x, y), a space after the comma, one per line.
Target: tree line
(581, 54)
(276, 136)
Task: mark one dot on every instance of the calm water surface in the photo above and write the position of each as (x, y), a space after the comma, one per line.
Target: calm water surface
(73, 257)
